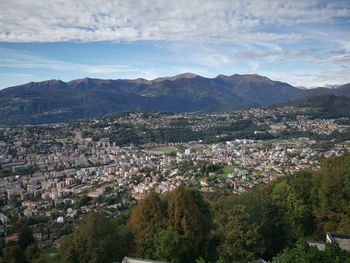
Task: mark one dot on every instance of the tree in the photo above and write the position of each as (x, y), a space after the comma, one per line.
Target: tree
(261, 211)
(333, 184)
(83, 201)
(32, 252)
(16, 255)
(25, 237)
(145, 247)
(96, 239)
(145, 215)
(296, 213)
(169, 245)
(269, 219)
(190, 218)
(66, 229)
(159, 243)
(241, 239)
(304, 253)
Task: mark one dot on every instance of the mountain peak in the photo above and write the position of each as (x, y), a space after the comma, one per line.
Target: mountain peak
(186, 75)
(139, 81)
(251, 77)
(83, 80)
(53, 81)
(243, 76)
(247, 77)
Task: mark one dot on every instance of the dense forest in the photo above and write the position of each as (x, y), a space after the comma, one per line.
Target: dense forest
(270, 222)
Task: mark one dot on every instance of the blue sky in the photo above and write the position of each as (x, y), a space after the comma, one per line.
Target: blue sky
(303, 42)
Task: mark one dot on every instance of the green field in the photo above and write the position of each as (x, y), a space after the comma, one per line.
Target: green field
(225, 171)
(199, 148)
(167, 149)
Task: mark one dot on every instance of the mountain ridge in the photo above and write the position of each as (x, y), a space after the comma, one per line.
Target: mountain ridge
(56, 101)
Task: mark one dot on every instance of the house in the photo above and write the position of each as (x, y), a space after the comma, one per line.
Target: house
(3, 219)
(342, 240)
(320, 245)
(13, 238)
(60, 220)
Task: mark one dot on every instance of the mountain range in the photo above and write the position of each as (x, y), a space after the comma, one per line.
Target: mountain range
(56, 101)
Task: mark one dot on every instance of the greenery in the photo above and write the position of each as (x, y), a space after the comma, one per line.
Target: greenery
(223, 172)
(304, 253)
(326, 106)
(168, 149)
(95, 240)
(25, 237)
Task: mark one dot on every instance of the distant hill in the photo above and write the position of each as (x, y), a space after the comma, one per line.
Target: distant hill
(328, 106)
(343, 90)
(56, 101)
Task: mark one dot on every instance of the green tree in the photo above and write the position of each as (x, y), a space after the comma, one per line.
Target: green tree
(159, 243)
(296, 214)
(333, 183)
(16, 255)
(145, 215)
(241, 239)
(84, 200)
(169, 245)
(25, 237)
(32, 252)
(304, 253)
(97, 239)
(66, 229)
(147, 212)
(190, 217)
(262, 211)
(145, 247)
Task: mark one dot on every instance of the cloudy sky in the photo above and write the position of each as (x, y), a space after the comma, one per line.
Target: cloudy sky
(303, 42)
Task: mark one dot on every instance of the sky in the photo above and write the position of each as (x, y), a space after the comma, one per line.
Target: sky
(302, 42)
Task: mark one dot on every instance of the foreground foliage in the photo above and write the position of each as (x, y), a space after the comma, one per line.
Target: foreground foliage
(97, 239)
(304, 253)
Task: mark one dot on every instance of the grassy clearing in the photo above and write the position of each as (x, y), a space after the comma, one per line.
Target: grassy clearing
(199, 148)
(167, 149)
(225, 171)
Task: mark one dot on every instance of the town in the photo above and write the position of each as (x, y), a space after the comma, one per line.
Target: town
(59, 172)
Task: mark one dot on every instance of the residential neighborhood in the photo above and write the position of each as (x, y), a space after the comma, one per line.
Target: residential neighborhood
(63, 171)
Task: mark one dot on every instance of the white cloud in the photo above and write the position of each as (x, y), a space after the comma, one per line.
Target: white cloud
(203, 36)
(342, 57)
(310, 79)
(16, 75)
(196, 20)
(19, 60)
